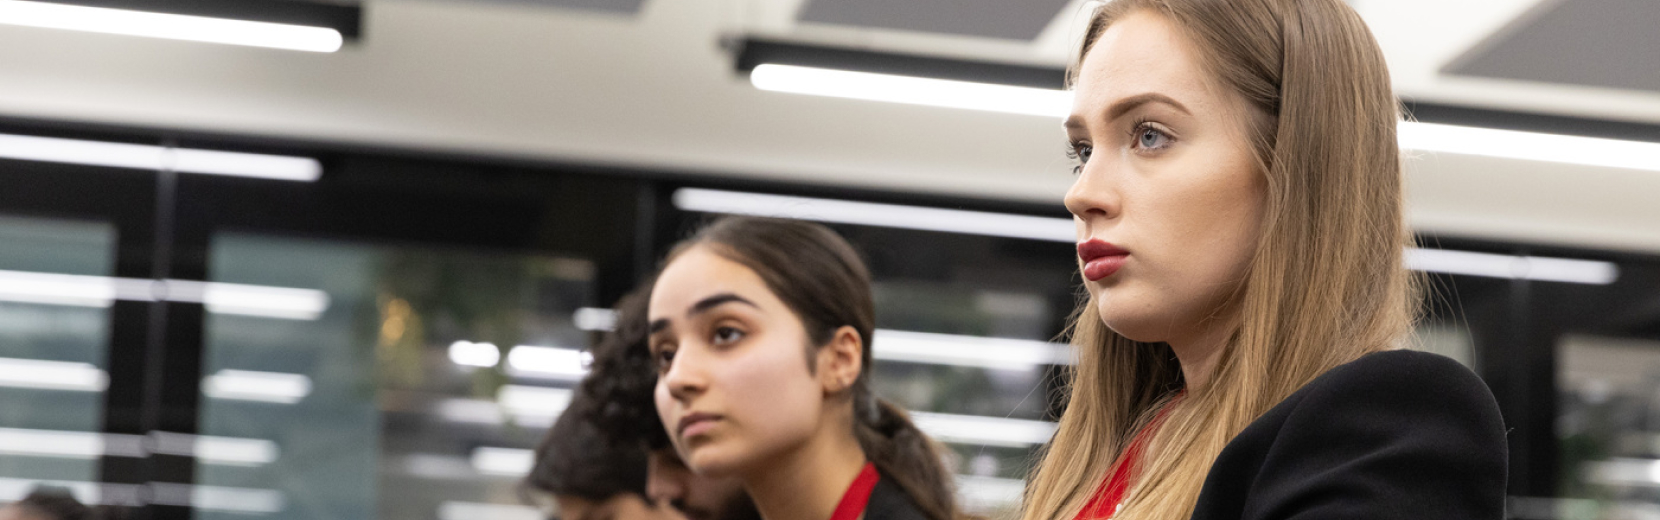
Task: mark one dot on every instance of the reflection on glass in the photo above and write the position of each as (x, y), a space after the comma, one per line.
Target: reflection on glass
(417, 392)
(969, 363)
(1608, 426)
(52, 349)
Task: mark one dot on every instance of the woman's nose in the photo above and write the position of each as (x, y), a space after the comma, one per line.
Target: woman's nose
(685, 377)
(1092, 195)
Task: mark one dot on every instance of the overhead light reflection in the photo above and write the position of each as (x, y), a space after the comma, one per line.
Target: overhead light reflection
(158, 158)
(1514, 267)
(989, 431)
(52, 375)
(554, 362)
(594, 319)
(874, 214)
(969, 351)
(217, 297)
(470, 354)
(911, 90)
(506, 462)
(249, 385)
(170, 26)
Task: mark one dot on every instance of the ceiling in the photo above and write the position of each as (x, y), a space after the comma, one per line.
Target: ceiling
(1611, 44)
(647, 84)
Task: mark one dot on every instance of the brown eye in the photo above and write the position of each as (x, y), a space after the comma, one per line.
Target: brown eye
(726, 336)
(665, 359)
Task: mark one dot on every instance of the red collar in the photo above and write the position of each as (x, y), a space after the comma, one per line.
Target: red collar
(857, 495)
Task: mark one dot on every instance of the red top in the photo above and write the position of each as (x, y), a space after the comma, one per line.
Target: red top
(857, 495)
(1104, 504)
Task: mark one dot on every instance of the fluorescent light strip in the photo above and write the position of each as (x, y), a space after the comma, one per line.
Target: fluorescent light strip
(218, 498)
(52, 375)
(1513, 267)
(1530, 146)
(911, 90)
(534, 402)
(218, 298)
(49, 443)
(506, 462)
(91, 445)
(987, 494)
(979, 430)
(1626, 471)
(170, 26)
(555, 362)
(454, 510)
(248, 385)
(969, 351)
(594, 319)
(874, 214)
(157, 158)
(470, 354)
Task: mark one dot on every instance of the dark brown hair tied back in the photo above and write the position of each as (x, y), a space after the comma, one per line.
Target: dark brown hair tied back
(825, 283)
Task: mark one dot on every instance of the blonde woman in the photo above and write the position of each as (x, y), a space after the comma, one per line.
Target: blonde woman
(1239, 216)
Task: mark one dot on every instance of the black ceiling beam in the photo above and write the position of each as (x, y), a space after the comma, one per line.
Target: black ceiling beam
(341, 16)
(756, 51)
(1532, 122)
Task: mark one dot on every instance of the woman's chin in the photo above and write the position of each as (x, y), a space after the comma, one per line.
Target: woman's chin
(1133, 327)
(710, 461)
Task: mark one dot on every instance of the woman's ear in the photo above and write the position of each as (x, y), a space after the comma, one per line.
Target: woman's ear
(841, 361)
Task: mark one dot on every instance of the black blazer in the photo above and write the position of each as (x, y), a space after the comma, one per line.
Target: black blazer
(1393, 435)
(888, 501)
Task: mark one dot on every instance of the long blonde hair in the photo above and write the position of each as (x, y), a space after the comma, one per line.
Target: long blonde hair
(1326, 283)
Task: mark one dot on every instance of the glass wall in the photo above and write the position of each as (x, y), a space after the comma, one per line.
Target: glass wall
(56, 290)
(383, 381)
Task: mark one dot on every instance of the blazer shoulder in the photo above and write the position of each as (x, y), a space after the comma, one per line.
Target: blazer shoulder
(1398, 376)
(1392, 435)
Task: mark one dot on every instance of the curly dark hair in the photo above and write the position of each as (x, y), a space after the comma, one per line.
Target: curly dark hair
(55, 503)
(623, 376)
(597, 448)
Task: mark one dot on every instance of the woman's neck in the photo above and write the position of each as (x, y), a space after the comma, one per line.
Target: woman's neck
(808, 482)
(1198, 352)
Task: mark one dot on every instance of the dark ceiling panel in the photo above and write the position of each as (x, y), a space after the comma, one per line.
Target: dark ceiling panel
(1599, 43)
(1005, 19)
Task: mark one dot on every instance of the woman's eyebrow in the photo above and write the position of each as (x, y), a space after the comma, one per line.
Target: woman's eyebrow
(717, 300)
(703, 306)
(1124, 106)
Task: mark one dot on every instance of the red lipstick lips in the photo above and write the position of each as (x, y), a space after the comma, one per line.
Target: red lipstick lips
(1101, 259)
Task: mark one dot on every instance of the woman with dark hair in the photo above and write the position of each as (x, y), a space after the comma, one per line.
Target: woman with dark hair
(762, 331)
(620, 384)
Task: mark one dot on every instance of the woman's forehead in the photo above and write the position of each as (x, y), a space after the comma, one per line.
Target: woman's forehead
(698, 275)
(1141, 53)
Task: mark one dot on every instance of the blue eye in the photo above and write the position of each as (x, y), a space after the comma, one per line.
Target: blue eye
(1079, 152)
(1148, 137)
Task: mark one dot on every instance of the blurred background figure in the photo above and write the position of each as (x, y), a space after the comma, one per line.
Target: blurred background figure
(47, 503)
(592, 477)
